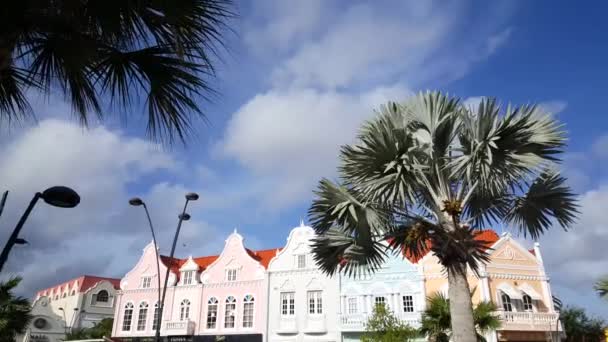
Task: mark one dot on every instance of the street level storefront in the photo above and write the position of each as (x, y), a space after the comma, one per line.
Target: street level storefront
(200, 338)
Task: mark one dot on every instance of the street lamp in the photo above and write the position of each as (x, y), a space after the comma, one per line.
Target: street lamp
(182, 217)
(136, 202)
(65, 321)
(57, 196)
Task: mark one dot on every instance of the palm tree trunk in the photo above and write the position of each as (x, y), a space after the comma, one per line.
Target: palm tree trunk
(461, 306)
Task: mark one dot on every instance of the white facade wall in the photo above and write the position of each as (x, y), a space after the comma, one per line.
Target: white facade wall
(287, 276)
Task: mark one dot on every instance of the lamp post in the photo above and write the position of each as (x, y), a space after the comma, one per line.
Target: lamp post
(57, 196)
(139, 202)
(182, 217)
(65, 321)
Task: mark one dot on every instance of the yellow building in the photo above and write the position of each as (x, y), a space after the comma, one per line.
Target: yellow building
(515, 280)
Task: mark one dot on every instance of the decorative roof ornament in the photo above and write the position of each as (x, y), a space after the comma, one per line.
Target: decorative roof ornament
(301, 222)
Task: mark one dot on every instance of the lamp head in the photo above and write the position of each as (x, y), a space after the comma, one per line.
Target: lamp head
(136, 201)
(192, 196)
(61, 196)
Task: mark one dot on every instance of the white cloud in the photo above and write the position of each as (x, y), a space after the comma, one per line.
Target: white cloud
(554, 107)
(574, 259)
(293, 136)
(600, 147)
(103, 235)
(366, 43)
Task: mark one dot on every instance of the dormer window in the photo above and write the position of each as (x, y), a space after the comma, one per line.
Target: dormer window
(301, 260)
(188, 277)
(231, 275)
(146, 282)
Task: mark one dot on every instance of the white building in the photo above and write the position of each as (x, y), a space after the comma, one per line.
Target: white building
(303, 302)
(78, 303)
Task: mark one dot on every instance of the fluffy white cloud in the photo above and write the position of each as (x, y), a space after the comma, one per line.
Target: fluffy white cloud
(292, 137)
(554, 107)
(103, 235)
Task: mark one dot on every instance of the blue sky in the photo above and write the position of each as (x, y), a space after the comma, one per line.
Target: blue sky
(297, 80)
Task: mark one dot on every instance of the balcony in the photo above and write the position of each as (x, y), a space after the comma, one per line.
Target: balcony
(528, 321)
(315, 324)
(288, 325)
(356, 322)
(179, 328)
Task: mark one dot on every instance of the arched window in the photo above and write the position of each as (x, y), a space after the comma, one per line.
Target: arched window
(142, 317)
(527, 302)
(248, 311)
(212, 313)
(127, 318)
(64, 295)
(155, 318)
(56, 297)
(506, 302)
(102, 296)
(230, 314)
(184, 312)
(73, 292)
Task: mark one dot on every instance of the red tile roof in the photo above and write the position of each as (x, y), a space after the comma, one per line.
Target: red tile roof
(84, 282)
(487, 236)
(262, 256)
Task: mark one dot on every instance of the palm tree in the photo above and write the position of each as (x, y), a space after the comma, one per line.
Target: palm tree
(14, 311)
(580, 327)
(601, 287)
(436, 319)
(117, 54)
(427, 174)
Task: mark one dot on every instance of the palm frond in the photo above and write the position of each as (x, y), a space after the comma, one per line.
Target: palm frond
(547, 197)
(13, 103)
(460, 248)
(601, 287)
(411, 237)
(485, 317)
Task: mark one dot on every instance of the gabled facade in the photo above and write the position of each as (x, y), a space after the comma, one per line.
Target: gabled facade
(303, 303)
(515, 280)
(74, 304)
(399, 285)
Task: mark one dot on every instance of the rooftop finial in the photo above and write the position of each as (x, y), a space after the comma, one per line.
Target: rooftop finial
(301, 222)
(234, 231)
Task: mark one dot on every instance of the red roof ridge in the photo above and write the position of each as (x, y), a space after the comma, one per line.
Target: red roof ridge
(85, 282)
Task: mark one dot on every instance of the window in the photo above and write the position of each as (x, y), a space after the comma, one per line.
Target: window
(288, 306)
(184, 310)
(155, 318)
(506, 302)
(188, 277)
(352, 305)
(302, 261)
(248, 311)
(315, 302)
(146, 282)
(64, 295)
(142, 316)
(211, 313)
(408, 304)
(230, 314)
(102, 296)
(231, 275)
(127, 317)
(380, 301)
(73, 293)
(527, 302)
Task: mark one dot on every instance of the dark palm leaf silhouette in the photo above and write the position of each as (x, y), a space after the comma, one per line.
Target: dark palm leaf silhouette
(14, 311)
(154, 54)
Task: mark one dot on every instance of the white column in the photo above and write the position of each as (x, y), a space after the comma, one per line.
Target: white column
(342, 305)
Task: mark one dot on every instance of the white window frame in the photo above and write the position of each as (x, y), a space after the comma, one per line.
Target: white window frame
(230, 304)
(248, 320)
(315, 302)
(184, 310)
(288, 307)
(351, 305)
(215, 303)
(142, 321)
(377, 301)
(129, 307)
(408, 303)
(232, 274)
(525, 305)
(146, 282)
(155, 316)
(301, 261)
(188, 278)
(507, 305)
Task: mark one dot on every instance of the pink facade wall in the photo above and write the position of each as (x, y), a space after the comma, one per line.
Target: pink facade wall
(250, 280)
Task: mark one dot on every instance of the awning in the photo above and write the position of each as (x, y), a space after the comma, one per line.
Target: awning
(527, 289)
(510, 291)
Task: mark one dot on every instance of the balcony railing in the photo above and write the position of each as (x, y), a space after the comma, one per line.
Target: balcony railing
(356, 322)
(288, 325)
(179, 328)
(544, 321)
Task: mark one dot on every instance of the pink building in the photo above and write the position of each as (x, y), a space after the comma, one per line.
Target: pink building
(213, 297)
